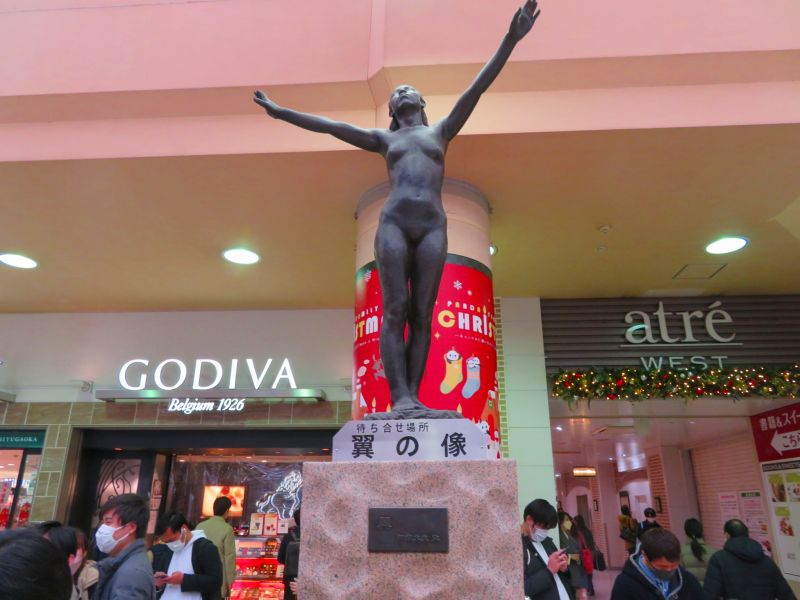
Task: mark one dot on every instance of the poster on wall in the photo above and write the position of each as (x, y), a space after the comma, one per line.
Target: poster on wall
(461, 372)
(754, 515)
(728, 505)
(777, 437)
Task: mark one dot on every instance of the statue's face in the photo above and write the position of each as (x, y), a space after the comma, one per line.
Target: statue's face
(405, 95)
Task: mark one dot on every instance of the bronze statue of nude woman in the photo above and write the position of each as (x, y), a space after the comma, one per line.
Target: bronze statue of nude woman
(411, 240)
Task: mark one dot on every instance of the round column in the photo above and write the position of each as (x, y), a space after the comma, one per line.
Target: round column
(461, 372)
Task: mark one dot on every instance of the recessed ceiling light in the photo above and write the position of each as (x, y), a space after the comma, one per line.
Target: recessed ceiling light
(241, 256)
(559, 428)
(558, 475)
(18, 261)
(726, 245)
(609, 458)
(492, 249)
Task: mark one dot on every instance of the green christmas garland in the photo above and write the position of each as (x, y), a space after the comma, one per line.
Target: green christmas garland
(636, 384)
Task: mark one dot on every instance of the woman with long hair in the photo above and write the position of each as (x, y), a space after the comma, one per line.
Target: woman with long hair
(585, 538)
(696, 553)
(577, 573)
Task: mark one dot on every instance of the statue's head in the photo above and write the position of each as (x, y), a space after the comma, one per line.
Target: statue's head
(405, 98)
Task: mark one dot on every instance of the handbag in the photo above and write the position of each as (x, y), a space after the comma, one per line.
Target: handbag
(599, 560)
(587, 560)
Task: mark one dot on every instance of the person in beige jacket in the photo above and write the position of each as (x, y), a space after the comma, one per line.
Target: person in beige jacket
(218, 531)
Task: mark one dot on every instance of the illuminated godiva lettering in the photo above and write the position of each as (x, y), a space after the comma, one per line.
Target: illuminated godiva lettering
(123, 375)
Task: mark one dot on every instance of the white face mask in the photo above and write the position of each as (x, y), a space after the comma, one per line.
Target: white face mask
(105, 538)
(539, 535)
(177, 545)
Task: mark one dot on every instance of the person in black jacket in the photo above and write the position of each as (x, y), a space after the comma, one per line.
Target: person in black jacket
(649, 522)
(191, 562)
(742, 570)
(654, 572)
(546, 567)
(289, 571)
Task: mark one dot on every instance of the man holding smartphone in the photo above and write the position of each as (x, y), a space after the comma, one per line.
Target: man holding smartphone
(546, 567)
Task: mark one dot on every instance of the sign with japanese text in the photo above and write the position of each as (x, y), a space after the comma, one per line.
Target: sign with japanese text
(782, 482)
(777, 433)
(461, 372)
(414, 440)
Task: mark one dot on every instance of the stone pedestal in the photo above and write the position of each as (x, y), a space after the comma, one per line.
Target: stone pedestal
(485, 556)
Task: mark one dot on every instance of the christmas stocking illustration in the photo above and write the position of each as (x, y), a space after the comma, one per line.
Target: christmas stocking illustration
(452, 374)
(473, 377)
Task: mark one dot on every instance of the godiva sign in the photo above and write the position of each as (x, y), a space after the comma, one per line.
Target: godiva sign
(21, 439)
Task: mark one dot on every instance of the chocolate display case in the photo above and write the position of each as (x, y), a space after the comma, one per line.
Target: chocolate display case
(258, 574)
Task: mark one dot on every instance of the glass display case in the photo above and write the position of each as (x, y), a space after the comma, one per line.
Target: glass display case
(258, 574)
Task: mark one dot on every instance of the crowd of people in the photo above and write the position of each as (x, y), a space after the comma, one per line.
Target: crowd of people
(657, 568)
(52, 561)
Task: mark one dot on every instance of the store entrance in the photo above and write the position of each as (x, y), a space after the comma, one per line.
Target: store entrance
(176, 470)
(261, 472)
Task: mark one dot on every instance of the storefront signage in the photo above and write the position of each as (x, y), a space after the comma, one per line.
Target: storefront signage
(21, 439)
(189, 406)
(173, 373)
(434, 439)
(777, 433)
(683, 333)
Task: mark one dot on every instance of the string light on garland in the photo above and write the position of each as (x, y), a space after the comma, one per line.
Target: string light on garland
(636, 384)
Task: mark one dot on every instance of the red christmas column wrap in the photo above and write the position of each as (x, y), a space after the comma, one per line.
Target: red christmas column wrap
(461, 372)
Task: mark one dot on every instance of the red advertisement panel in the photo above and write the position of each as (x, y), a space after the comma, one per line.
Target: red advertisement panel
(461, 372)
(777, 433)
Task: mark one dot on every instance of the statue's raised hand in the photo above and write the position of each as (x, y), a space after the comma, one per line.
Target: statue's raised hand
(261, 99)
(523, 20)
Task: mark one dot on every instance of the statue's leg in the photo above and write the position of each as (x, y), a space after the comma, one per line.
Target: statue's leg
(392, 257)
(426, 273)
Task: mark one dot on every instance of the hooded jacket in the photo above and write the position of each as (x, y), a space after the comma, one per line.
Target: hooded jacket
(633, 584)
(127, 576)
(206, 564)
(741, 570)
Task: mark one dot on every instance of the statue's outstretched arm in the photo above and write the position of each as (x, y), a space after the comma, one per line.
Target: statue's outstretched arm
(521, 24)
(366, 139)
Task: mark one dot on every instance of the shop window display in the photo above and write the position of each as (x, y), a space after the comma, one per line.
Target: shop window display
(19, 471)
(264, 493)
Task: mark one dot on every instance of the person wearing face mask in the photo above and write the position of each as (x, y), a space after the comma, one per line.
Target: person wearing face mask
(191, 568)
(126, 574)
(742, 570)
(545, 566)
(649, 522)
(72, 542)
(654, 571)
(569, 543)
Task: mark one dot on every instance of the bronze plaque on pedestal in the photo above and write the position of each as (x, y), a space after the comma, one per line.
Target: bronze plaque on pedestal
(408, 530)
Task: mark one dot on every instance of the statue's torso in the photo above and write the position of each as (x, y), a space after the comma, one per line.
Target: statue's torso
(415, 160)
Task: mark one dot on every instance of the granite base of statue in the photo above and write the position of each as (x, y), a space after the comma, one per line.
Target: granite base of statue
(411, 509)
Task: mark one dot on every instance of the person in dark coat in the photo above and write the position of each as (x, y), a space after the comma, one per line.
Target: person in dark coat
(292, 536)
(546, 569)
(742, 570)
(654, 572)
(649, 522)
(191, 562)
(125, 574)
